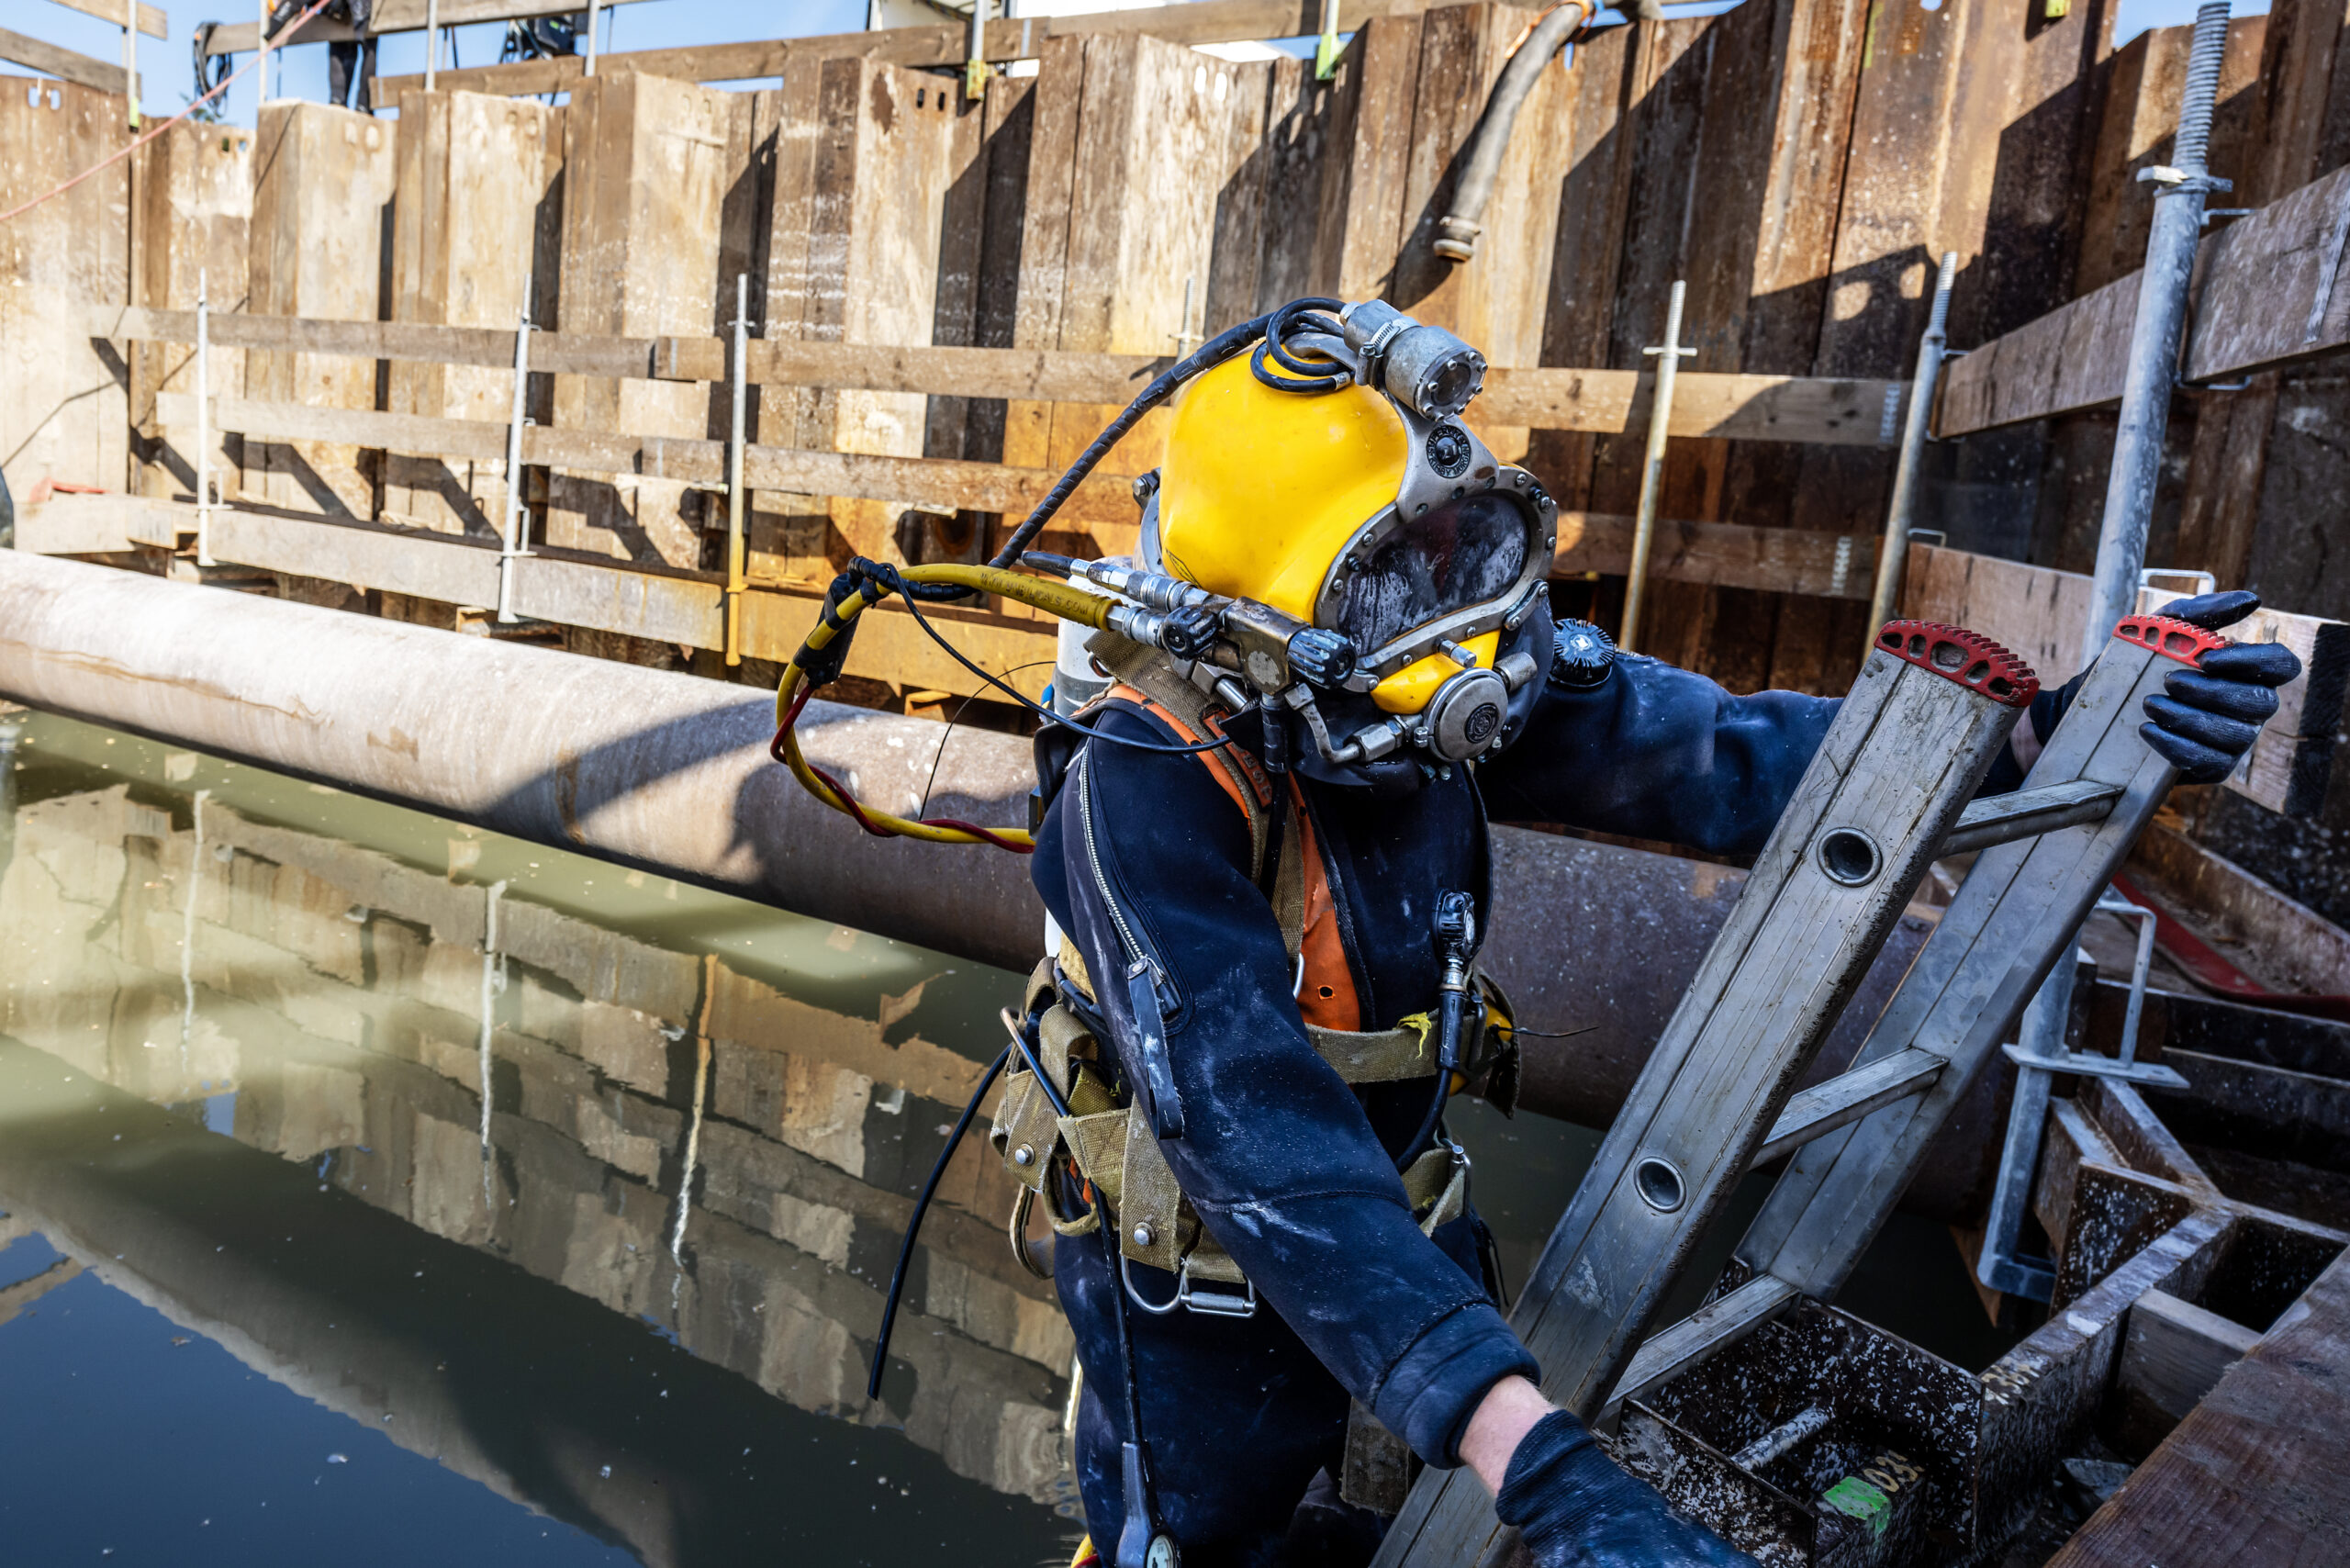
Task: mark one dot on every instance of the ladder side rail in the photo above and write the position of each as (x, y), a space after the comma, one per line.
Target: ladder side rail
(1836, 1196)
(1771, 986)
(1706, 988)
(1808, 955)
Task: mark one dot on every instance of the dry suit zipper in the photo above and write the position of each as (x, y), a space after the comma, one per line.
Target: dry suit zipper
(1142, 977)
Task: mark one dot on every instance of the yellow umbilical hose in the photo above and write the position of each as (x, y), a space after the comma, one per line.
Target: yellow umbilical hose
(791, 695)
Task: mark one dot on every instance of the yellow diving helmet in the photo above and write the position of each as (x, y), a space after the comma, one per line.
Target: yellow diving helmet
(1337, 485)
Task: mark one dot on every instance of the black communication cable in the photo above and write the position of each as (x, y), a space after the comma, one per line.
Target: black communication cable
(913, 1226)
(1208, 355)
(1087, 731)
(938, 755)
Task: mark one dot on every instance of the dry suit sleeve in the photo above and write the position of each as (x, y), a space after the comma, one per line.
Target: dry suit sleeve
(1277, 1155)
(1656, 752)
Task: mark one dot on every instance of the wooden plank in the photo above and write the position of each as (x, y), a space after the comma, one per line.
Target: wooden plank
(63, 63)
(1723, 554)
(552, 352)
(2144, 83)
(658, 606)
(1204, 22)
(948, 484)
(194, 195)
(905, 151)
(1776, 560)
(2254, 1474)
(476, 191)
(645, 176)
(400, 561)
(322, 179)
(2292, 942)
(2270, 291)
(2175, 1351)
(62, 403)
(1837, 410)
(151, 18)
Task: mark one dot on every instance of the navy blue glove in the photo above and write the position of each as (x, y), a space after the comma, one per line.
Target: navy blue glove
(1577, 1509)
(2214, 712)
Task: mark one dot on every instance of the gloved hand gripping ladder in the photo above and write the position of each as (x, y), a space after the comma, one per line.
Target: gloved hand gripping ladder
(1714, 1098)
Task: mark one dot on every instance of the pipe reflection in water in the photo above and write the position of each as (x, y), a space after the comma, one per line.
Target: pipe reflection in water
(486, 1106)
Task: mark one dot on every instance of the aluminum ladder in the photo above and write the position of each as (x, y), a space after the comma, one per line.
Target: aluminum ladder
(1887, 794)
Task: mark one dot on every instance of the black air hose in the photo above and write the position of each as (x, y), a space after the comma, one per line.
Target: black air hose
(1457, 231)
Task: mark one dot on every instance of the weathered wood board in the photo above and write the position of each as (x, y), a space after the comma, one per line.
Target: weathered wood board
(195, 201)
(2255, 1474)
(645, 174)
(62, 407)
(322, 179)
(475, 220)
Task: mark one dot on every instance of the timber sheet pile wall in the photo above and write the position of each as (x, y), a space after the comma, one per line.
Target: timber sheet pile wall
(1801, 162)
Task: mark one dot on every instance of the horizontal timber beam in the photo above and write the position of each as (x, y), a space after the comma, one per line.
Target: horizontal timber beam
(1202, 21)
(1825, 410)
(151, 20)
(63, 63)
(948, 483)
(2269, 289)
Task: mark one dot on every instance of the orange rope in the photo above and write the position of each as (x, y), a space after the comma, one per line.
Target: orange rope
(259, 55)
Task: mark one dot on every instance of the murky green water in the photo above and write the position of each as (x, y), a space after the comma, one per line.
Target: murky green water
(279, 1283)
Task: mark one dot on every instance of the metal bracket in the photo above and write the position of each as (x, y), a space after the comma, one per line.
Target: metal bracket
(2090, 1064)
(2178, 181)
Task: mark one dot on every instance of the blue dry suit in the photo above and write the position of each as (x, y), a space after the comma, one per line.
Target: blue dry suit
(1291, 1170)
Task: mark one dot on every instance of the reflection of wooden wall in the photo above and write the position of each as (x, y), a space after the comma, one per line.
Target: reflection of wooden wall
(338, 995)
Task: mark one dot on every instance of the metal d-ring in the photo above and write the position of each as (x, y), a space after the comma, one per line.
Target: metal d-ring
(1021, 1208)
(1126, 1278)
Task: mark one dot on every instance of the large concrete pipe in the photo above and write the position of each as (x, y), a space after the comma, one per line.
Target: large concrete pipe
(670, 772)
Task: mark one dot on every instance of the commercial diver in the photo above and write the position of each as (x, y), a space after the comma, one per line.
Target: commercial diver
(1264, 852)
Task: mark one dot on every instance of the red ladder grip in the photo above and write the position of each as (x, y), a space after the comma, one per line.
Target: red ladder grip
(2172, 639)
(1967, 658)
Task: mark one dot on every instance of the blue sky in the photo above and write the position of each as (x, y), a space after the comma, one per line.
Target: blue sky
(651, 24)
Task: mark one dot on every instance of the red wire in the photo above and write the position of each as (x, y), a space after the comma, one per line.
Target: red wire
(259, 55)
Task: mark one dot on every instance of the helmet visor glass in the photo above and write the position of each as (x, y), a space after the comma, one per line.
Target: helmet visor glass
(1462, 554)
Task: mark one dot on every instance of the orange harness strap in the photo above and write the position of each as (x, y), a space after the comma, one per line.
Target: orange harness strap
(1326, 991)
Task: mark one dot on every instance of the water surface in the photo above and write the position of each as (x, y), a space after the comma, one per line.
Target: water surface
(280, 1282)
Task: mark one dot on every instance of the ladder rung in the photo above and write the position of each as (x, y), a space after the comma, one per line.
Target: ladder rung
(1712, 1328)
(1848, 1097)
(1996, 819)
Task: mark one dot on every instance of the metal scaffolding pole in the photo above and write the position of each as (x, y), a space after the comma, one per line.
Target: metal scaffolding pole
(1893, 557)
(513, 546)
(738, 579)
(1668, 359)
(2120, 556)
(203, 419)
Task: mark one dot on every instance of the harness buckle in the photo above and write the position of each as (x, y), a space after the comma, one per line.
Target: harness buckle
(1209, 1303)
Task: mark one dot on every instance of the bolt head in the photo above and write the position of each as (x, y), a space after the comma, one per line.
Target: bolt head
(1143, 1236)
(1026, 1155)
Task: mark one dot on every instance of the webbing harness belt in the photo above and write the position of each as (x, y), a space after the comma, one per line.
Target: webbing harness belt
(1114, 1151)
